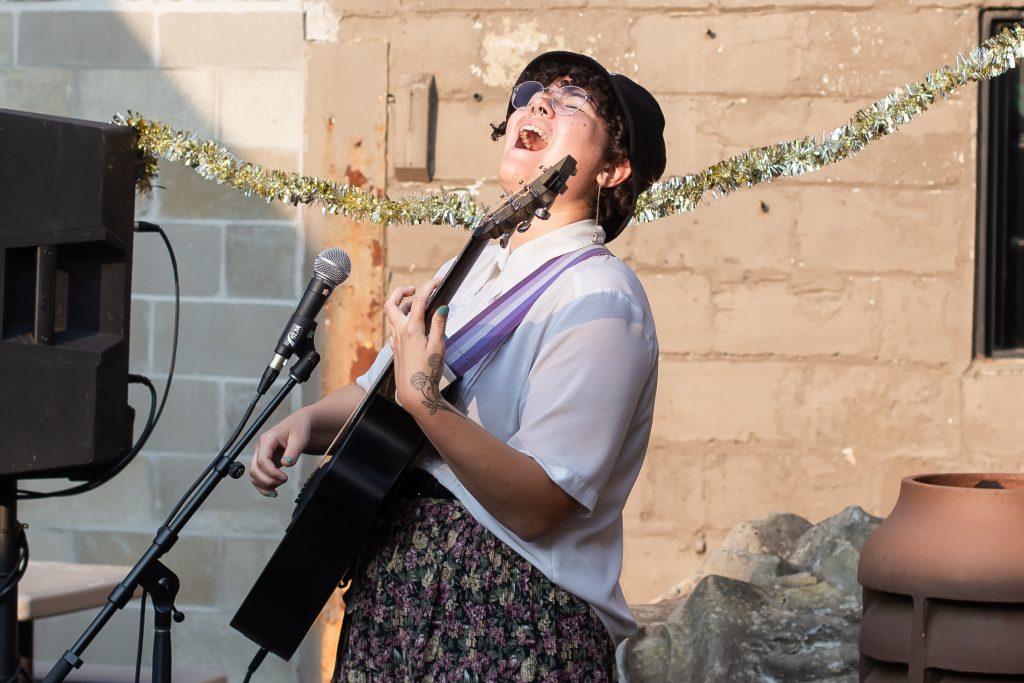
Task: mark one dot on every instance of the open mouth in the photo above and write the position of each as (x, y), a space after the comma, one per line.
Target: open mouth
(532, 138)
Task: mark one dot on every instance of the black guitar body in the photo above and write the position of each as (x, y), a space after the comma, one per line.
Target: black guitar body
(337, 509)
(329, 529)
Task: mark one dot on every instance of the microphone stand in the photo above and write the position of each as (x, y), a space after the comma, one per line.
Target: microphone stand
(155, 577)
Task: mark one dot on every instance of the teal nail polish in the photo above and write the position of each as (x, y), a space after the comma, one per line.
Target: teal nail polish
(443, 311)
(287, 461)
(272, 494)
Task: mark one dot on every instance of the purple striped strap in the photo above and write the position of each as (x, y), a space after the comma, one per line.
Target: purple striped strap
(491, 326)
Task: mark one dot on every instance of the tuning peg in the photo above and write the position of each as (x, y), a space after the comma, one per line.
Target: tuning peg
(542, 213)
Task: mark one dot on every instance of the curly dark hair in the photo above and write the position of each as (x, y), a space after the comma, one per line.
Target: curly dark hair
(617, 202)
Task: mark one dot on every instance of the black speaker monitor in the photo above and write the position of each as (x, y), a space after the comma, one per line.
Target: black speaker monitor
(66, 227)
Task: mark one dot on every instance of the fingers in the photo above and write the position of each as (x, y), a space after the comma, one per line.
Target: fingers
(406, 317)
(280, 447)
(419, 303)
(394, 309)
(436, 339)
(264, 469)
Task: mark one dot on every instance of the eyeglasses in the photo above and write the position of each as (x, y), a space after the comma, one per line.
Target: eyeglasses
(565, 100)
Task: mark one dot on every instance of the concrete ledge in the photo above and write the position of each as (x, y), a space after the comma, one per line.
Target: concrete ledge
(109, 673)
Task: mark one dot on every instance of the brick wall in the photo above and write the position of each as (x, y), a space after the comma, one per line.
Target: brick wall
(816, 333)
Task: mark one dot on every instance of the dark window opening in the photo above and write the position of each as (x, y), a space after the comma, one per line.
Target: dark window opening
(999, 328)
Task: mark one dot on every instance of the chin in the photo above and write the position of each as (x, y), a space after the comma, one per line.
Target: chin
(518, 165)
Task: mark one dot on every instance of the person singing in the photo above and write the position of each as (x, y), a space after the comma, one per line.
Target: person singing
(501, 561)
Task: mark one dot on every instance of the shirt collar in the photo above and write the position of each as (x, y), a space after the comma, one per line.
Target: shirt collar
(526, 258)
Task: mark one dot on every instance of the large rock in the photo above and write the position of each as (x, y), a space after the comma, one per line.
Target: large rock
(760, 570)
(775, 534)
(788, 611)
(850, 528)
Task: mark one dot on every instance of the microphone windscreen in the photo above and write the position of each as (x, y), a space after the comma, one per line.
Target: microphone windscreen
(332, 265)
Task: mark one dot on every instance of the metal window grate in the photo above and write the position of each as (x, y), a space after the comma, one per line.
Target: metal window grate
(999, 319)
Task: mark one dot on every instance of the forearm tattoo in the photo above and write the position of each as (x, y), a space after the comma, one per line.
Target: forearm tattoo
(430, 386)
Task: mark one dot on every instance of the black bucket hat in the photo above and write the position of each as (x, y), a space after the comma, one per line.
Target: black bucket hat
(644, 122)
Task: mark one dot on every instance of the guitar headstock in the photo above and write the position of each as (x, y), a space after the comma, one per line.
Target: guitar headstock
(529, 202)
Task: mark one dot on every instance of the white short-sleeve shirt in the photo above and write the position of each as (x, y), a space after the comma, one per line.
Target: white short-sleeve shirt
(573, 388)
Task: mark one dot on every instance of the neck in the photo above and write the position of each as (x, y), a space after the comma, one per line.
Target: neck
(561, 216)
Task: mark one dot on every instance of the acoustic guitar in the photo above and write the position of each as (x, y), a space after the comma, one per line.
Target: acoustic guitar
(337, 509)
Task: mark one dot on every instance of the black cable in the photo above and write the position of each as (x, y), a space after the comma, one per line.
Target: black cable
(261, 654)
(10, 583)
(154, 418)
(19, 571)
(116, 469)
(19, 675)
(142, 637)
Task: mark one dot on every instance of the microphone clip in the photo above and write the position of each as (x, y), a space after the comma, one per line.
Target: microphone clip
(299, 338)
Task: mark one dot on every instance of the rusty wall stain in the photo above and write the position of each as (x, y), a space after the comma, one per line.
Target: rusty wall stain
(345, 141)
(355, 176)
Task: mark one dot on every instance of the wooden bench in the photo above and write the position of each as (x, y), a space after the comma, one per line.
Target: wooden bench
(50, 589)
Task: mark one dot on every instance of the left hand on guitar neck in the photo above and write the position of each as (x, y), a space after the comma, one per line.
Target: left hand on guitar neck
(418, 352)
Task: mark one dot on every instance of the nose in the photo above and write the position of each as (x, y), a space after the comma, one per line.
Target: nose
(540, 105)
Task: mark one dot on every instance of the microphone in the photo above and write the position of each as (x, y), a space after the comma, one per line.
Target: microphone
(331, 268)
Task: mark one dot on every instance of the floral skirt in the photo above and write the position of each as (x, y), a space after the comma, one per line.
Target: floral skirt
(442, 599)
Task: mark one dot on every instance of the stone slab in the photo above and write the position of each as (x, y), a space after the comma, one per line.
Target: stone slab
(46, 91)
(728, 239)
(718, 54)
(260, 261)
(6, 39)
(198, 250)
(181, 193)
(824, 315)
(681, 304)
(220, 338)
(139, 359)
(722, 400)
(248, 40)
(191, 421)
(182, 98)
(101, 38)
(880, 229)
(260, 108)
(234, 510)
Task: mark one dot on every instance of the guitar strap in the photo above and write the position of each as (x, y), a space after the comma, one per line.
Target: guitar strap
(493, 325)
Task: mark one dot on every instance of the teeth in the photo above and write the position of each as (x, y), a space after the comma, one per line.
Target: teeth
(526, 130)
(534, 129)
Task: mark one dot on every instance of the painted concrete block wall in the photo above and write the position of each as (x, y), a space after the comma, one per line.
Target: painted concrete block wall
(232, 71)
(817, 333)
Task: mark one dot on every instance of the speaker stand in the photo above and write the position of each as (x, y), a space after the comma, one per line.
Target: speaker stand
(10, 533)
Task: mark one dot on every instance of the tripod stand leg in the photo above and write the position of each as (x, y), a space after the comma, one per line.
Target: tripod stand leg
(9, 538)
(26, 646)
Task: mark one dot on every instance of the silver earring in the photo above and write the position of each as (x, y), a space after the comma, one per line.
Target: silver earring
(597, 213)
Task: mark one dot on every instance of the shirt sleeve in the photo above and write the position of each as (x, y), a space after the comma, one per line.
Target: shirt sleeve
(583, 389)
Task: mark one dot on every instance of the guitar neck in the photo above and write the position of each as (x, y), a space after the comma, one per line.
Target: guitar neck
(385, 384)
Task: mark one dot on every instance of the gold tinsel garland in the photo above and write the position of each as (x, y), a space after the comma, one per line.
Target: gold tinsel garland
(677, 194)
